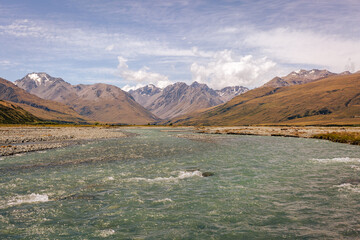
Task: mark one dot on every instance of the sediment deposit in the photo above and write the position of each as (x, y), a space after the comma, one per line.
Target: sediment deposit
(303, 132)
(15, 140)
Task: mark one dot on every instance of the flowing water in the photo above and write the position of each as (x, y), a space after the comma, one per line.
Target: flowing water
(150, 186)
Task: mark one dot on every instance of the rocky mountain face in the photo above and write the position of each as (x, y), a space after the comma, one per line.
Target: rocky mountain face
(179, 98)
(40, 108)
(99, 102)
(47, 87)
(300, 77)
(146, 95)
(228, 93)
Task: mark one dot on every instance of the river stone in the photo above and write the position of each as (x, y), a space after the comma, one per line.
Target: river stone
(78, 196)
(208, 174)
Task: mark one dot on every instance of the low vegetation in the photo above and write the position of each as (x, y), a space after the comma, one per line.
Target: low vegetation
(332, 101)
(341, 137)
(10, 113)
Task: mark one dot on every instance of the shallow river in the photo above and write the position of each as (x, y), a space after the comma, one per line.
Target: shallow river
(150, 186)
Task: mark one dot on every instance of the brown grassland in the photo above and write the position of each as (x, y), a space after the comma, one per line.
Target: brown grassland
(330, 101)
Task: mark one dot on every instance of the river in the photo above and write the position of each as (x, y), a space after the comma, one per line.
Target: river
(151, 186)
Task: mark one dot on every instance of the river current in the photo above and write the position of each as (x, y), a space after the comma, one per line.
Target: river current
(151, 186)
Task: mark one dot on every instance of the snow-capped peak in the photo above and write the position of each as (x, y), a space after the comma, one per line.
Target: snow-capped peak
(35, 77)
(151, 86)
(39, 78)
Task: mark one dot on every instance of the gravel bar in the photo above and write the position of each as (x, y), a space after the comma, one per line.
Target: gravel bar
(14, 140)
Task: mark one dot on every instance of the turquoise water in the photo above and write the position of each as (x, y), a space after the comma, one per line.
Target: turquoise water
(139, 188)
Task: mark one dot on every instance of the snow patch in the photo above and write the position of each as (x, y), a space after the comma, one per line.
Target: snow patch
(36, 78)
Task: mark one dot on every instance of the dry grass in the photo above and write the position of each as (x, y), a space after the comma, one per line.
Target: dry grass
(330, 101)
(341, 137)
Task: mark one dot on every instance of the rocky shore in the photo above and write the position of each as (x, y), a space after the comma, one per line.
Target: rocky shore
(14, 140)
(303, 132)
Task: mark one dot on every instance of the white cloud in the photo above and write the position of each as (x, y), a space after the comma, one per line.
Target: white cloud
(127, 87)
(228, 30)
(226, 70)
(110, 47)
(306, 47)
(90, 40)
(141, 77)
(22, 28)
(5, 64)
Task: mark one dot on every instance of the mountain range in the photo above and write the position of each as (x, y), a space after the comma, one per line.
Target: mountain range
(42, 109)
(98, 102)
(301, 97)
(179, 98)
(300, 77)
(317, 97)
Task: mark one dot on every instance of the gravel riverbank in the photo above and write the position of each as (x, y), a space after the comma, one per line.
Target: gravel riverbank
(303, 132)
(15, 140)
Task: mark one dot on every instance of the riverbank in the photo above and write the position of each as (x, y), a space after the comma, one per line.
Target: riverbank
(349, 135)
(14, 140)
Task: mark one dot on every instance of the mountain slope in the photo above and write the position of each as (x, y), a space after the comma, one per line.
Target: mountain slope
(331, 100)
(179, 98)
(228, 93)
(46, 87)
(299, 77)
(99, 102)
(145, 96)
(12, 114)
(108, 103)
(43, 109)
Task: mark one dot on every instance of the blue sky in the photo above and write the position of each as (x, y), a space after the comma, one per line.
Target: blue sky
(134, 43)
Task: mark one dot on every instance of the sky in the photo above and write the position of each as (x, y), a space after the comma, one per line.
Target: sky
(132, 43)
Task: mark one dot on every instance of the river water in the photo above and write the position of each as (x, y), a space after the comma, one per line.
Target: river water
(150, 186)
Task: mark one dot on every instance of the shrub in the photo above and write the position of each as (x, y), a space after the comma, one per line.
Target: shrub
(341, 137)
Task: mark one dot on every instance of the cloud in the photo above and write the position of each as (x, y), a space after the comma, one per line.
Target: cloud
(225, 70)
(142, 77)
(22, 28)
(72, 39)
(110, 47)
(292, 46)
(127, 87)
(5, 63)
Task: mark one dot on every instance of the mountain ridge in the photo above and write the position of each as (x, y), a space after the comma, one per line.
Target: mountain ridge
(299, 77)
(41, 108)
(99, 102)
(334, 99)
(180, 98)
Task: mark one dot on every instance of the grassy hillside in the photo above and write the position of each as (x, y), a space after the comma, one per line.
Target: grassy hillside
(332, 100)
(12, 114)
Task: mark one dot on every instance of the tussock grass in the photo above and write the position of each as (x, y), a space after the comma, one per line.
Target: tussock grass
(341, 137)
